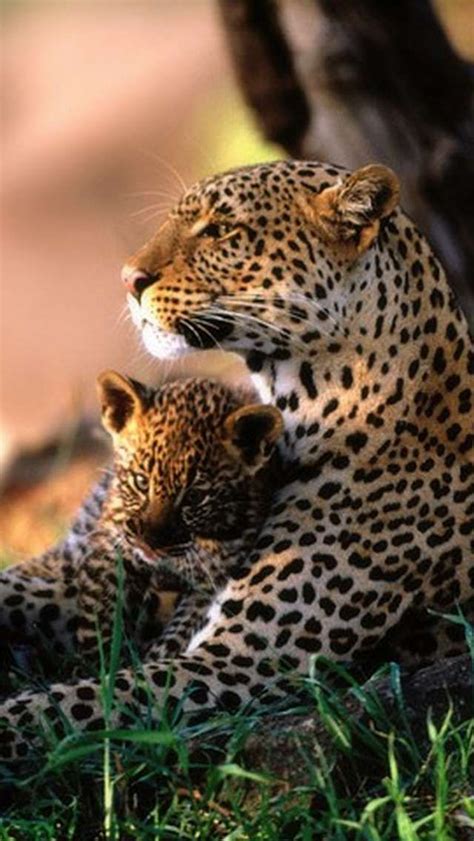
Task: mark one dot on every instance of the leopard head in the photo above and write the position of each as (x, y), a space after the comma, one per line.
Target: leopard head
(239, 259)
(325, 287)
(191, 462)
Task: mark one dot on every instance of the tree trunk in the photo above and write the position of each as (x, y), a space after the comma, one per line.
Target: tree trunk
(355, 81)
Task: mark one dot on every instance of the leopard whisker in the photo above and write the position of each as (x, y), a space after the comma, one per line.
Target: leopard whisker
(260, 299)
(187, 323)
(158, 207)
(278, 310)
(159, 193)
(198, 554)
(246, 317)
(171, 169)
(268, 307)
(291, 296)
(200, 320)
(298, 297)
(123, 316)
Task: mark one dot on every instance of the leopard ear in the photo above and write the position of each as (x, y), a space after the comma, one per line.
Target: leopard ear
(349, 213)
(122, 401)
(250, 434)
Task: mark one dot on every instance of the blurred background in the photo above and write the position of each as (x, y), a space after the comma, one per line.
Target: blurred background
(108, 108)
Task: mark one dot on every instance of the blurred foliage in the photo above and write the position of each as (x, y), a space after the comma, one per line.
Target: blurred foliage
(229, 137)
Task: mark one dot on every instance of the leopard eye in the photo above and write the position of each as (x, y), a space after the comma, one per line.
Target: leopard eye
(195, 497)
(141, 481)
(131, 526)
(217, 230)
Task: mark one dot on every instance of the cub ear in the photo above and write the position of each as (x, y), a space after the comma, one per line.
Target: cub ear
(122, 401)
(250, 434)
(349, 213)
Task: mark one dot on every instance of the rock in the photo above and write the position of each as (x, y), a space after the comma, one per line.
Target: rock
(275, 747)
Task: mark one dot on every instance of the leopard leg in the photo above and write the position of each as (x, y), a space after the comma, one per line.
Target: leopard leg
(423, 637)
(34, 607)
(189, 617)
(98, 584)
(257, 644)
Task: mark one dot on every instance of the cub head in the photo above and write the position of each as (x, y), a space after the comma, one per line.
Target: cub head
(191, 462)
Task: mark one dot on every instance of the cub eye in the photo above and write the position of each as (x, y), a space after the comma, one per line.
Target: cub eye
(141, 481)
(217, 230)
(195, 497)
(131, 527)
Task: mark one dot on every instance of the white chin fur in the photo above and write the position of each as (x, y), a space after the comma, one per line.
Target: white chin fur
(158, 342)
(164, 345)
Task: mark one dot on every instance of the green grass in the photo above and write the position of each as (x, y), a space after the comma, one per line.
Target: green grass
(373, 781)
(151, 784)
(147, 783)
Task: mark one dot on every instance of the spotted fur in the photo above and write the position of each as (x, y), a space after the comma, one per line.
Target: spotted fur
(344, 318)
(186, 497)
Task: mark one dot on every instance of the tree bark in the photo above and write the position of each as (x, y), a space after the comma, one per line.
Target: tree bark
(265, 69)
(355, 81)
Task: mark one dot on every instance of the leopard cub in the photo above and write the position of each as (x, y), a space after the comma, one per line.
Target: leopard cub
(191, 484)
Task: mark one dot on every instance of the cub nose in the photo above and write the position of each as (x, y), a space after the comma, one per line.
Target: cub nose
(136, 280)
(169, 534)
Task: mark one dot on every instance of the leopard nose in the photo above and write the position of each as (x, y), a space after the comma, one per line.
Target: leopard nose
(159, 538)
(169, 534)
(136, 280)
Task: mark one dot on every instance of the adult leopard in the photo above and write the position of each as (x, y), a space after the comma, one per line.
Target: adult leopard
(345, 319)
